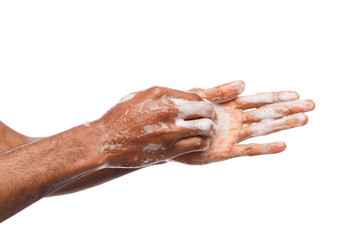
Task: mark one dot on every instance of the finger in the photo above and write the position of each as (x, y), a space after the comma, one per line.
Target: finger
(254, 149)
(271, 126)
(278, 110)
(222, 93)
(192, 144)
(260, 99)
(197, 127)
(193, 109)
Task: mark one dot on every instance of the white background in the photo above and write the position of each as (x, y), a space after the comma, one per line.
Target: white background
(65, 62)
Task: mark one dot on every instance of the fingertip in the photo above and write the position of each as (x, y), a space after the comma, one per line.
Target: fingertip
(303, 106)
(305, 119)
(297, 119)
(311, 104)
(239, 86)
(276, 147)
(296, 95)
(288, 96)
(201, 144)
(225, 92)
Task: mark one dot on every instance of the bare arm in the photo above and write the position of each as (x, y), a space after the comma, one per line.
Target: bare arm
(34, 171)
(10, 139)
(120, 139)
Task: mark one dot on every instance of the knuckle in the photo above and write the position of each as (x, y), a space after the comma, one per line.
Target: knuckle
(157, 91)
(248, 148)
(204, 144)
(247, 132)
(305, 119)
(211, 110)
(205, 108)
(194, 96)
(199, 91)
(206, 125)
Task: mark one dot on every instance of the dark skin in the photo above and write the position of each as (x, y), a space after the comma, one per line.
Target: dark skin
(86, 176)
(11, 139)
(118, 139)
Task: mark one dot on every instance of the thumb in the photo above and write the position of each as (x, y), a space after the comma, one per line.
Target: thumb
(222, 93)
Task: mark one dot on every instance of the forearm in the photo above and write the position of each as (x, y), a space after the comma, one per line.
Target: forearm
(93, 179)
(221, 93)
(10, 139)
(36, 170)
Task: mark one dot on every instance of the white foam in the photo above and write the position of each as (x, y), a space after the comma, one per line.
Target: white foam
(268, 126)
(224, 120)
(277, 110)
(261, 129)
(260, 97)
(288, 96)
(120, 133)
(111, 146)
(265, 113)
(150, 128)
(142, 106)
(153, 147)
(163, 125)
(127, 97)
(239, 86)
(203, 124)
(269, 97)
(154, 106)
(145, 161)
(187, 108)
(86, 124)
(300, 116)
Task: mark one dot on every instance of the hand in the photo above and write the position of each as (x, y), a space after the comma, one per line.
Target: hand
(271, 112)
(153, 125)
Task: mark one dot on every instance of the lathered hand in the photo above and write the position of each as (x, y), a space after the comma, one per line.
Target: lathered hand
(246, 117)
(153, 125)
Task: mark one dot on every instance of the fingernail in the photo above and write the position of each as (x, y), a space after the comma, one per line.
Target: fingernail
(302, 106)
(307, 105)
(288, 96)
(276, 147)
(297, 119)
(239, 85)
(310, 104)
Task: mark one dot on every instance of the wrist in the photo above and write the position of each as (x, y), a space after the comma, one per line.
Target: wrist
(91, 136)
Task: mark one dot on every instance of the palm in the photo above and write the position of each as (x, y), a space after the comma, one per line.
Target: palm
(234, 125)
(227, 133)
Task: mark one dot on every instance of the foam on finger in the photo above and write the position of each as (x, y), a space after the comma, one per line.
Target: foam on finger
(127, 97)
(270, 126)
(205, 125)
(254, 149)
(278, 110)
(225, 92)
(259, 99)
(193, 108)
